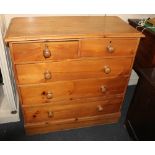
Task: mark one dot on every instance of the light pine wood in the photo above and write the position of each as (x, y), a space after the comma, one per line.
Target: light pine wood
(71, 111)
(99, 47)
(46, 127)
(72, 70)
(28, 52)
(64, 27)
(70, 90)
(76, 101)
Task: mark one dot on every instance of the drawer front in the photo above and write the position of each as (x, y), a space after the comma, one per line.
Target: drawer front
(72, 70)
(70, 90)
(27, 52)
(108, 47)
(51, 126)
(56, 112)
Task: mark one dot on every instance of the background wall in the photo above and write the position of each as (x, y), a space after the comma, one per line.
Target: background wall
(8, 96)
(8, 17)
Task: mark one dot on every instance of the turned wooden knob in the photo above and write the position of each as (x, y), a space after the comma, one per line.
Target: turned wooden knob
(110, 49)
(46, 52)
(47, 75)
(107, 69)
(49, 95)
(103, 89)
(99, 108)
(50, 114)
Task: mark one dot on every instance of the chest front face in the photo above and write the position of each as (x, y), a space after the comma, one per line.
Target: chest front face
(71, 72)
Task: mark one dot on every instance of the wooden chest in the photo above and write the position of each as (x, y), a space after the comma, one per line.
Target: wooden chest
(145, 57)
(141, 124)
(70, 71)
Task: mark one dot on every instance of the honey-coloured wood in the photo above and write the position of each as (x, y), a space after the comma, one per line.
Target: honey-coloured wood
(108, 47)
(45, 127)
(43, 51)
(58, 112)
(70, 90)
(71, 71)
(68, 27)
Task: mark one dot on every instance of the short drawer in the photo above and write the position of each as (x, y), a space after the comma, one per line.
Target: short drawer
(72, 70)
(108, 47)
(69, 111)
(28, 52)
(70, 90)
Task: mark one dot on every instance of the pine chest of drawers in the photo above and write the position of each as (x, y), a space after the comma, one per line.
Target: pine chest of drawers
(71, 72)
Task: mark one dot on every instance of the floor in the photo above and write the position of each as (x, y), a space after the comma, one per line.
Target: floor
(111, 132)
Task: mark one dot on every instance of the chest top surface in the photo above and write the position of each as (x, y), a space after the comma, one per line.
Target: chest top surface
(68, 27)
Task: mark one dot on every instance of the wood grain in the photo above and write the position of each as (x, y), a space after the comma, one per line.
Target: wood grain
(72, 70)
(70, 90)
(76, 101)
(99, 47)
(45, 127)
(64, 27)
(75, 110)
(28, 52)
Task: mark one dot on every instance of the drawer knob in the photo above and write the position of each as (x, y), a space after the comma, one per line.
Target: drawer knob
(47, 75)
(49, 95)
(46, 52)
(103, 89)
(50, 114)
(107, 69)
(110, 49)
(99, 108)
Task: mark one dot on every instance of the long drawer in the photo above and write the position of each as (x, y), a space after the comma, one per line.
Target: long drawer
(72, 70)
(70, 90)
(108, 47)
(58, 112)
(50, 126)
(60, 50)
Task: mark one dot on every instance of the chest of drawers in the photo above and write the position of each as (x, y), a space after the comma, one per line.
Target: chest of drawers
(71, 72)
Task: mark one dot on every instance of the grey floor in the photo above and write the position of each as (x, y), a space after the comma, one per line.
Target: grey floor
(111, 132)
